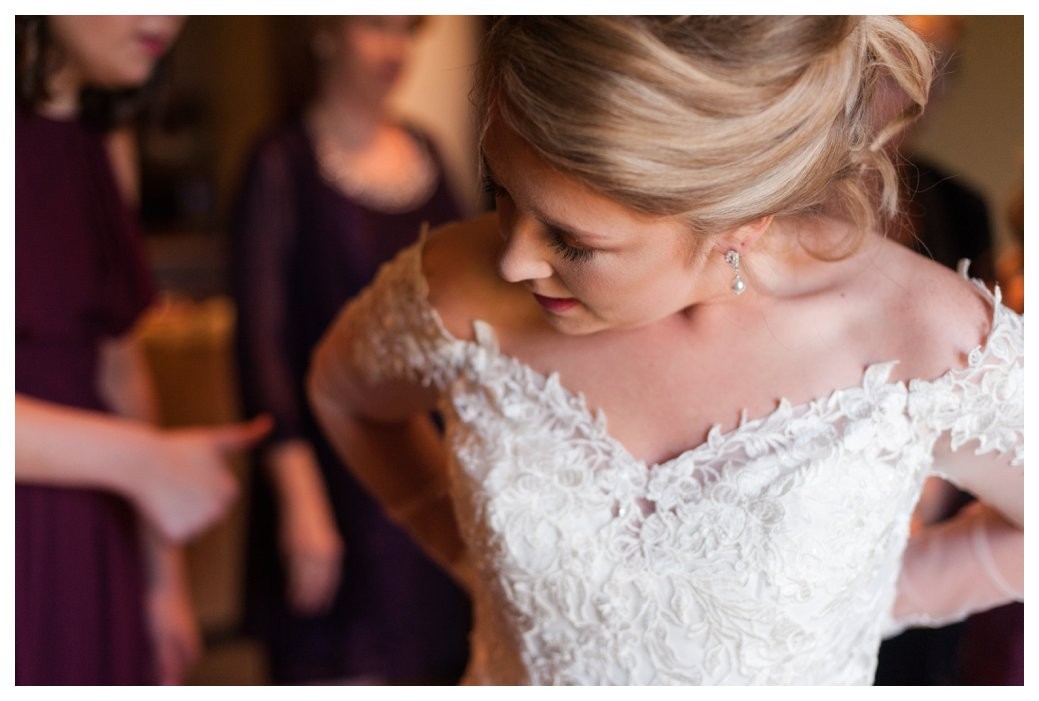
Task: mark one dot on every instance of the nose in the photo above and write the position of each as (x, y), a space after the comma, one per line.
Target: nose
(166, 25)
(526, 254)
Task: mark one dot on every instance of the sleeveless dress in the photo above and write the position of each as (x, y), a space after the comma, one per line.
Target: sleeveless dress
(80, 276)
(301, 249)
(766, 555)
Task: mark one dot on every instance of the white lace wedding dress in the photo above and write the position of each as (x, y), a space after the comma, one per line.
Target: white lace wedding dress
(766, 555)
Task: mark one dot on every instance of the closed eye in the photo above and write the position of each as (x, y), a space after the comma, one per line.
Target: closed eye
(557, 237)
(571, 253)
(491, 186)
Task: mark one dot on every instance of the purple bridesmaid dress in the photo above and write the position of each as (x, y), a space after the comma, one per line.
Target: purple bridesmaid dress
(80, 276)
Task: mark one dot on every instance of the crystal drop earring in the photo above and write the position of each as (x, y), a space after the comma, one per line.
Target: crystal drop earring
(732, 257)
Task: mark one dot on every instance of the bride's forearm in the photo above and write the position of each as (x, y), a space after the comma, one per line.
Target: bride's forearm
(933, 589)
(403, 465)
(431, 522)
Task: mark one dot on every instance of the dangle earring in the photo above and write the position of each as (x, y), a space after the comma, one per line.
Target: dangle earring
(732, 257)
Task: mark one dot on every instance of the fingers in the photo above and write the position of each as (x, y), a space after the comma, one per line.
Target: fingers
(176, 656)
(175, 638)
(241, 436)
(313, 582)
(313, 576)
(196, 487)
(166, 661)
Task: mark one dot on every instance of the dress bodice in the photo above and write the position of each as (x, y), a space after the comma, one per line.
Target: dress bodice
(768, 554)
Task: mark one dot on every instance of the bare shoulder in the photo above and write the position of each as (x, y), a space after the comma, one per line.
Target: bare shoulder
(460, 265)
(932, 316)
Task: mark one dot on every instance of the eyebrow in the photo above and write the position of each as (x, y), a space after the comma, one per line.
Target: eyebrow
(546, 220)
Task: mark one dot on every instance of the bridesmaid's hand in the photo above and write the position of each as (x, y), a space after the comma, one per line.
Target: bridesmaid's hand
(192, 486)
(313, 554)
(311, 546)
(175, 637)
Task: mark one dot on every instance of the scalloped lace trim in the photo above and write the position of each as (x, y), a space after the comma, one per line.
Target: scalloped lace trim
(766, 554)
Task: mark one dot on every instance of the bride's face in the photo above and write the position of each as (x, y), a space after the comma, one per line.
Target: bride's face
(590, 263)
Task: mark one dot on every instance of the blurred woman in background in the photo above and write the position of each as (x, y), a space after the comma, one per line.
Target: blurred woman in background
(336, 592)
(100, 493)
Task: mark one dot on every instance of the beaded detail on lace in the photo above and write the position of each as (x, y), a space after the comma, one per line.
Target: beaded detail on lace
(767, 554)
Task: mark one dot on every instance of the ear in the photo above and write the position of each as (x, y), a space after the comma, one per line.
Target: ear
(746, 236)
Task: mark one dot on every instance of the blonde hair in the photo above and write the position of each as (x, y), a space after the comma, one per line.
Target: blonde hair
(717, 120)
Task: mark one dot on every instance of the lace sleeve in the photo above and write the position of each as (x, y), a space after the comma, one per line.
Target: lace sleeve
(981, 404)
(975, 560)
(390, 333)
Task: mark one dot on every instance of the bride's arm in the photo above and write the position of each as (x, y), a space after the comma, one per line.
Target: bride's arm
(974, 561)
(373, 380)
(380, 369)
(384, 433)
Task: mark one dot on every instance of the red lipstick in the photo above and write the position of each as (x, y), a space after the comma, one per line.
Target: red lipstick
(154, 45)
(556, 304)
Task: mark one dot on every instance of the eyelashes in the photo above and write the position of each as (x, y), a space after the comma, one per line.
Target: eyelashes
(573, 254)
(557, 239)
(491, 186)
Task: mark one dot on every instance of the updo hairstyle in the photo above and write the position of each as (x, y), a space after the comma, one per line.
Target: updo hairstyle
(716, 120)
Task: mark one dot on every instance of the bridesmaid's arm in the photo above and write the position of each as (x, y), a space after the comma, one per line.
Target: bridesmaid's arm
(125, 383)
(264, 268)
(309, 540)
(178, 479)
(172, 625)
(61, 446)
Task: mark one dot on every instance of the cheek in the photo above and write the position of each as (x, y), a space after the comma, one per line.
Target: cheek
(120, 71)
(114, 59)
(609, 288)
(367, 50)
(639, 292)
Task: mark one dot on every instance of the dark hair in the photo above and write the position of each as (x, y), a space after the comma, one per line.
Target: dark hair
(38, 57)
(297, 68)
(32, 41)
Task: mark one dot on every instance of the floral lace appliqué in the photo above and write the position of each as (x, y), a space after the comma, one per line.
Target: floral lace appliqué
(768, 554)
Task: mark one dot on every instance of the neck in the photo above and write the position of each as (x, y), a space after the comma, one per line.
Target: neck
(63, 94)
(780, 265)
(347, 117)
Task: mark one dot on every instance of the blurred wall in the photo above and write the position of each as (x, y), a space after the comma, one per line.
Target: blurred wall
(435, 94)
(977, 128)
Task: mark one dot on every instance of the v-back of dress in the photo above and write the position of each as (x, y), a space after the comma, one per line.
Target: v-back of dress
(766, 555)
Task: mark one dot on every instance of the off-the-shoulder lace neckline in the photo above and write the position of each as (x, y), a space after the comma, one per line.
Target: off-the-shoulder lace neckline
(874, 375)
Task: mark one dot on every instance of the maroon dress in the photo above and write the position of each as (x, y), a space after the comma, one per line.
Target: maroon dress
(301, 249)
(80, 276)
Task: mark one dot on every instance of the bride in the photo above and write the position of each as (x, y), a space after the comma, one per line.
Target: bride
(690, 390)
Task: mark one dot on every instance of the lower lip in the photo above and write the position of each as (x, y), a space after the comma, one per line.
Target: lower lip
(153, 47)
(556, 304)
